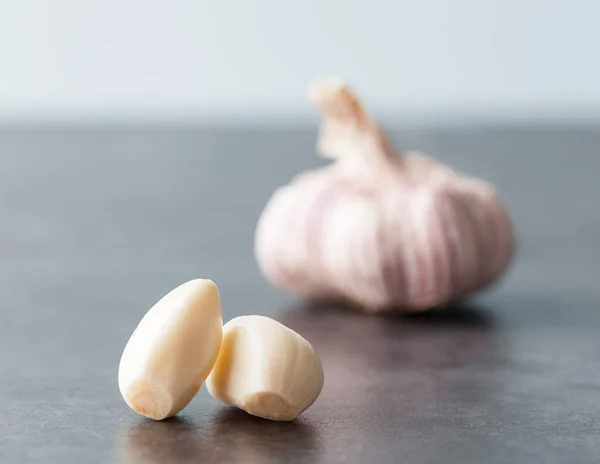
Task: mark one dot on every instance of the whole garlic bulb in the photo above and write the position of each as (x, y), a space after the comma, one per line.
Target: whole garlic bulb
(377, 229)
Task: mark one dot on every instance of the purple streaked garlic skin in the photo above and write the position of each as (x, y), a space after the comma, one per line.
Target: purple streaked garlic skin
(380, 230)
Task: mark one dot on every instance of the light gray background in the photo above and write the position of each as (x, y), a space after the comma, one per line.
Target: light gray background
(251, 60)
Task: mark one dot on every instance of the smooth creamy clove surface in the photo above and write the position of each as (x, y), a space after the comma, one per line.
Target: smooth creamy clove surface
(378, 229)
(266, 369)
(172, 350)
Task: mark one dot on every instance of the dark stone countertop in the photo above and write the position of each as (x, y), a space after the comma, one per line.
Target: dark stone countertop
(98, 224)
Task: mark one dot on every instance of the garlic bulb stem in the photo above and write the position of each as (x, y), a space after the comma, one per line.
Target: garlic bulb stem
(347, 132)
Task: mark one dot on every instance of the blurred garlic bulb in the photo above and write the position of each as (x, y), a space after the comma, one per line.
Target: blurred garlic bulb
(377, 229)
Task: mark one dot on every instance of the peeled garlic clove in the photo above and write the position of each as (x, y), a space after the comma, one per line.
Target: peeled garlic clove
(172, 350)
(266, 369)
(378, 229)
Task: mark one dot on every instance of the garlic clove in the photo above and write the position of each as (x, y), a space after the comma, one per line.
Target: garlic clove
(172, 350)
(266, 369)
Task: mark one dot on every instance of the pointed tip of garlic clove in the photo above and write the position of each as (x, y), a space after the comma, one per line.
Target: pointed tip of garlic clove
(172, 350)
(265, 369)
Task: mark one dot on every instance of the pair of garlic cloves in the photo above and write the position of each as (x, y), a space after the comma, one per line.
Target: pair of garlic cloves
(253, 362)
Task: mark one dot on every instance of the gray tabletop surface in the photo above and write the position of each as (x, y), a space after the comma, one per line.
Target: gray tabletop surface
(98, 224)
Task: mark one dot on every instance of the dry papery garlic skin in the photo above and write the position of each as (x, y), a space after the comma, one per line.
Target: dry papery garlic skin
(378, 229)
(172, 350)
(266, 369)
